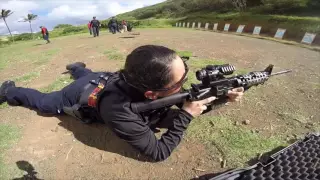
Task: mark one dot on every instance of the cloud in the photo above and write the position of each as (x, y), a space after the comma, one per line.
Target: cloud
(51, 13)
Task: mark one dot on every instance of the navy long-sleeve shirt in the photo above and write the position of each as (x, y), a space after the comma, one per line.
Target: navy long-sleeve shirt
(135, 129)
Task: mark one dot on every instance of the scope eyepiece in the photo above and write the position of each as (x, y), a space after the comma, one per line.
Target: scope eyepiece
(201, 74)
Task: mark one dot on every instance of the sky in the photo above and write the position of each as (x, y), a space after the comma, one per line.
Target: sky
(53, 12)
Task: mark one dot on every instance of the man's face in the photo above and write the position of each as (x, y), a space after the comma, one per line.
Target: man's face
(179, 71)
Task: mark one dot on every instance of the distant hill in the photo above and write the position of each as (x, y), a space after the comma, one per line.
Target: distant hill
(181, 8)
(297, 16)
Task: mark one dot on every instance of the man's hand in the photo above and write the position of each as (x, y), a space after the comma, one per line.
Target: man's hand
(195, 108)
(235, 94)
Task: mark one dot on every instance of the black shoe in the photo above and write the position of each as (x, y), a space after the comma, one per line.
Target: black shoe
(76, 64)
(70, 67)
(4, 89)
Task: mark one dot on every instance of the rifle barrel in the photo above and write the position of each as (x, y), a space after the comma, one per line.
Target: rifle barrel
(281, 72)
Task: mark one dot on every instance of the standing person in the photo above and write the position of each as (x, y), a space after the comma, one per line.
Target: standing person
(114, 25)
(95, 24)
(45, 33)
(89, 27)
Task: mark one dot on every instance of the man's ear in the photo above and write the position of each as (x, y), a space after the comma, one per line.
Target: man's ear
(151, 95)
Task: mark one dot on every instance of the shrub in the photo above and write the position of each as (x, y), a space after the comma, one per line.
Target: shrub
(62, 26)
(24, 37)
(73, 29)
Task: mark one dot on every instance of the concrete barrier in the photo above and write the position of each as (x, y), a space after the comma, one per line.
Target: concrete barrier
(257, 30)
(308, 38)
(226, 27)
(240, 28)
(215, 26)
(280, 33)
(199, 25)
(207, 26)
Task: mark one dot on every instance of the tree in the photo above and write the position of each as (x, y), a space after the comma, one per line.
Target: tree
(240, 5)
(29, 18)
(4, 14)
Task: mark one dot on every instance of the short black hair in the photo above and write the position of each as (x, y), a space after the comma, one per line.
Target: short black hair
(149, 67)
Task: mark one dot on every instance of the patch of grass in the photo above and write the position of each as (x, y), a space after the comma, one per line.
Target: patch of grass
(184, 53)
(27, 77)
(191, 79)
(20, 53)
(3, 64)
(4, 105)
(314, 85)
(240, 71)
(12, 54)
(236, 144)
(44, 57)
(296, 116)
(58, 84)
(113, 54)
(8, 136)
(202, 63)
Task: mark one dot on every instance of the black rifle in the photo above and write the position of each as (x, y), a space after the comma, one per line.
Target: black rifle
(214, 83)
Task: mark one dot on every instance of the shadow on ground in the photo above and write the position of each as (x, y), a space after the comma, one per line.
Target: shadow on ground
(26, 166)
(100, 136)
(127, 37)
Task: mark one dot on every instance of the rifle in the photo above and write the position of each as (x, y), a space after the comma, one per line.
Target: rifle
(214, 83)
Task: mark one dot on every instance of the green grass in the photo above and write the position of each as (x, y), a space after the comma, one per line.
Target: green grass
(44, 56)
(8, 136)
(4, 105)
(296, 116)
(28, 77)
(113, 54)
(202, 63)
(20, 53)
(58, 84)
(236, 144)
(184, 53)
(13, 53)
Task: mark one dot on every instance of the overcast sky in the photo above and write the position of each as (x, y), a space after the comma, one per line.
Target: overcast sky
(53, 12)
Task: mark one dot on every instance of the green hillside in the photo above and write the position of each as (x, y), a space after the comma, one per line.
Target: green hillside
(297, 16)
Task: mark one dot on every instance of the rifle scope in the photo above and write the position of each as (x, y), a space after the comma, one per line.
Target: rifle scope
(212, 72)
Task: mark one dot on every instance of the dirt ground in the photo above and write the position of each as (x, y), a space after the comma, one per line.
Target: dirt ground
(62, 148)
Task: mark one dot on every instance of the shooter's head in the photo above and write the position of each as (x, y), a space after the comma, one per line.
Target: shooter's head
(156, 71)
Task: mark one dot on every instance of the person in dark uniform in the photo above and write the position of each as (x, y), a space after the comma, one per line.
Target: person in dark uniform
(95, 25)
(150, 72)
(113, 24)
